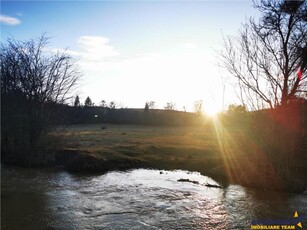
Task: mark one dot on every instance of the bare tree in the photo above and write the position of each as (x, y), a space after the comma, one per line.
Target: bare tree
(267, 54)
(146, 106)
(151, 104)
(26, 67)
(103, 104)
(113, 105)
(34, 82)
(170, 106)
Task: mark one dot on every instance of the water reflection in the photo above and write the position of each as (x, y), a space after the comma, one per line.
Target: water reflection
(141, 199)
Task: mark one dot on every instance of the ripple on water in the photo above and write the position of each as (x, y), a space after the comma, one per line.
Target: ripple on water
(136, 199)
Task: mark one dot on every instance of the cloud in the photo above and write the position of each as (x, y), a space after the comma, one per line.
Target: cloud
(94, 54)
(96, 48)
(9, 20)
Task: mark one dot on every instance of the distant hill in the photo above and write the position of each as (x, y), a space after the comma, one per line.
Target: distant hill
(136, 116)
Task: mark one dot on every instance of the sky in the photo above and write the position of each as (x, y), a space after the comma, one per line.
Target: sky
(131, 52)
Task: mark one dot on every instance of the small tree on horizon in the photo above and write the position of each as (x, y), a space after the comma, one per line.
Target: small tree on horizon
(112, 105)
(103, 104)
(88, 102)
(170, 106)
(77, 101)
(146, 106)
(151, 104)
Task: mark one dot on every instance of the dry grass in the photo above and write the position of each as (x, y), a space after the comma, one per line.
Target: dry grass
(226, 154)
(191, 148)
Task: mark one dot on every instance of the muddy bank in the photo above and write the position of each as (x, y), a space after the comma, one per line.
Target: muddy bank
(82, 161)
(77, 161)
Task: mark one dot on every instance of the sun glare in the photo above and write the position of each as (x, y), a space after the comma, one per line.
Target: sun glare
(212, 110)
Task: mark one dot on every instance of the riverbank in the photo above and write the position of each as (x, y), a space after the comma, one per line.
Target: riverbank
(101, 148)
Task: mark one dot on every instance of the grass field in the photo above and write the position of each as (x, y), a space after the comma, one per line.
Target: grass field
(190, 148)
(226, 154)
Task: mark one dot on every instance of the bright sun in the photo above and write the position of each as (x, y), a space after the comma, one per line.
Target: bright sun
(211, 110)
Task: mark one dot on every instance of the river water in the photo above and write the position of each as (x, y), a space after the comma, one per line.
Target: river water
(136, 199)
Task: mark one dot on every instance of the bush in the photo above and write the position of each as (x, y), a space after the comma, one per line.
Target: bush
(34, 86)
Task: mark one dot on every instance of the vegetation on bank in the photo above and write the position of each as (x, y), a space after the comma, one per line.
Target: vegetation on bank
(270, 147)
(34, 87)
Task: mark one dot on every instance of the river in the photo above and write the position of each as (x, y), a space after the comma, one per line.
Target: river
(136, 199)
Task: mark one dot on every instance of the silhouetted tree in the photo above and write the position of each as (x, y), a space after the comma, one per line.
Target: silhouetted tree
(170, 106)
(77, 101)
(88, 102)
(33, 84)
(146, 106)
(103, 104)
(267, 54)
(112, 105)
(151, 104)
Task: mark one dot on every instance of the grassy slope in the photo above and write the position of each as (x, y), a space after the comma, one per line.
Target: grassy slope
(223, 153)
(188, 148)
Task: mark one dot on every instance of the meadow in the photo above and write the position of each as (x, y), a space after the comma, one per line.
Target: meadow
(129, 146)
(247, 149)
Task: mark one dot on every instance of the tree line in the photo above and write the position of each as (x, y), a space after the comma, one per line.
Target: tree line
(198, 105)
